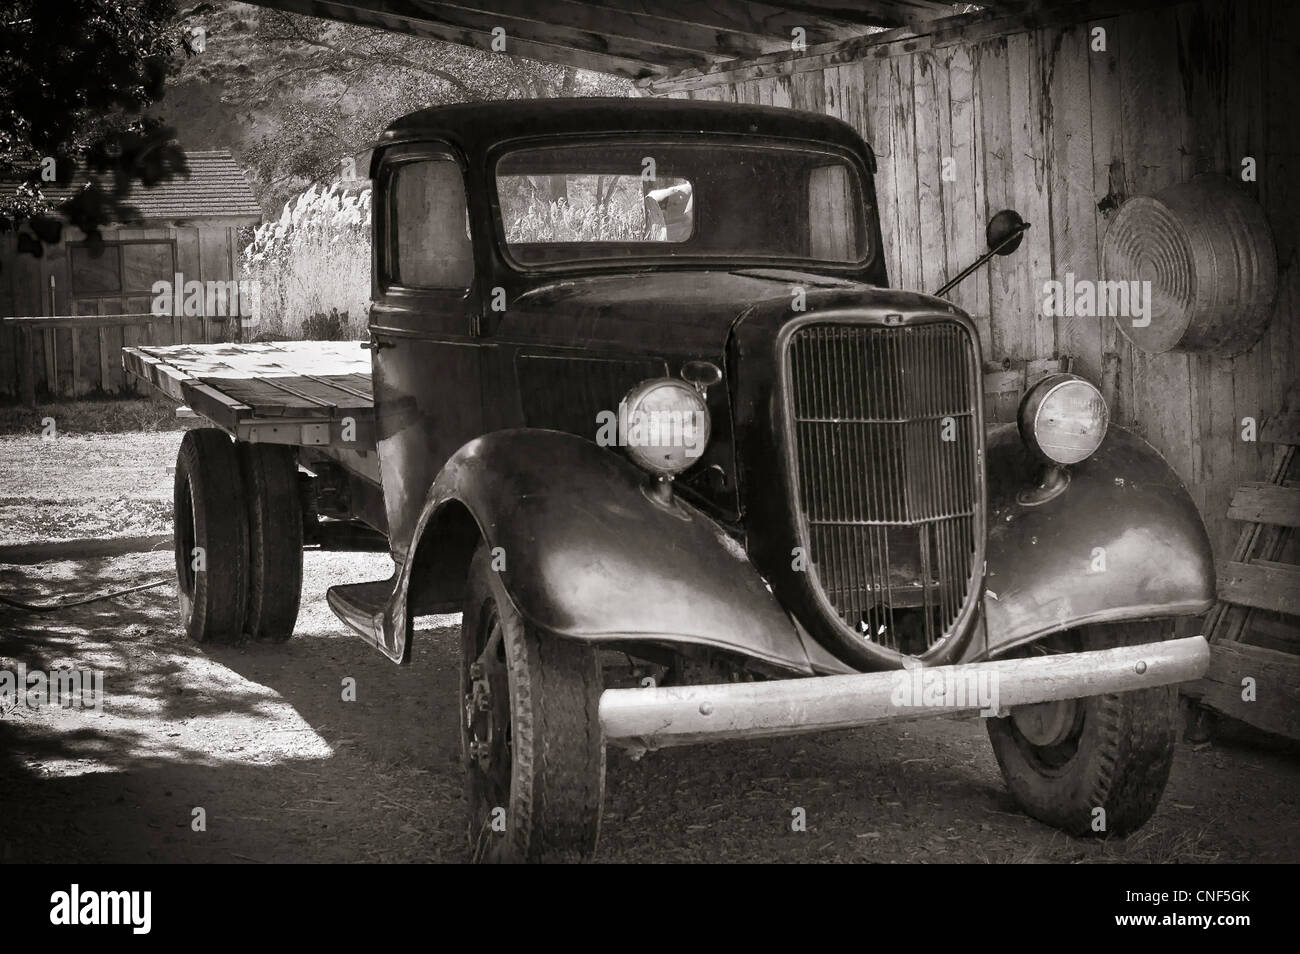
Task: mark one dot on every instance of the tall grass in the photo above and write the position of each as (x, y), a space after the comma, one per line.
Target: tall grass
(563, 221)
(312, 265)
(313, 261)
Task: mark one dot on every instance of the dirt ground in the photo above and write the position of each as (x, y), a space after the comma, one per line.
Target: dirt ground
(285, 770)
(86, 470)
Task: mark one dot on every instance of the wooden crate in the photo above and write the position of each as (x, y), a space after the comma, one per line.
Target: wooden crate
(1254, 629)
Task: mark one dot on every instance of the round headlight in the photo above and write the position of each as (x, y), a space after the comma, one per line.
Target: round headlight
(1063, 418)
(664, 424)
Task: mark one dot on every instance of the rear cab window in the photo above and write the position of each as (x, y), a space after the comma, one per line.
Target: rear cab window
(730, 200)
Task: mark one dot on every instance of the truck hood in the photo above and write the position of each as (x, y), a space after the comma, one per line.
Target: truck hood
(689, 312)
(584, 342)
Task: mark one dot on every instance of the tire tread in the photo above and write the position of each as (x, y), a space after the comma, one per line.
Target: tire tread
(558, 772)
(270, 473)
(1126, 752)
(207, 460)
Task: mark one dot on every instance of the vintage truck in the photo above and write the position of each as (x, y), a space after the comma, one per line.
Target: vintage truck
(640, 404)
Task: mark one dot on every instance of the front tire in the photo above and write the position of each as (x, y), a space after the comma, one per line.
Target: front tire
(1065, 760)
(531, 744)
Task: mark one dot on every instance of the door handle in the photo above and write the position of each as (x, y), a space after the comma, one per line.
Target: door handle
(374, 344)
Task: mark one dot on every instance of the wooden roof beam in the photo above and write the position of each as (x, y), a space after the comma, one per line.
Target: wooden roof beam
(644, 23)
(880, 13)
(961, 28)
(567, 47)
(1018, 6)
(709, 18)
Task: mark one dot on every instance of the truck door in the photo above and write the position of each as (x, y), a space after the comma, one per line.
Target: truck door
(425, 358)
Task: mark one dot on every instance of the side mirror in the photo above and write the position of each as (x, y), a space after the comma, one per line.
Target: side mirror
(1003, 234)
(1005, 227)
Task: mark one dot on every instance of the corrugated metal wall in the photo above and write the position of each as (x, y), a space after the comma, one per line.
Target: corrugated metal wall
(1044, 123)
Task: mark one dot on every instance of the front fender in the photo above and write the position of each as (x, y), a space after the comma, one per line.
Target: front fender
(586, 552)
(1123, 541)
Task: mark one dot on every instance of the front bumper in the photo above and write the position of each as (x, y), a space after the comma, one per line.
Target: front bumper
(663, 716)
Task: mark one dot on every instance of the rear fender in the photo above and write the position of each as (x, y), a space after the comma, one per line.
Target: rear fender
(585, 552)
(1123, 541)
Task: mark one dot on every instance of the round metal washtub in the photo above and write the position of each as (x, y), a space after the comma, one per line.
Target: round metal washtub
(1206, 249)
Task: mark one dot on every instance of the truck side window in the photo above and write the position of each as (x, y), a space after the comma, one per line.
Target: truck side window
(833, 215)
(428, 239)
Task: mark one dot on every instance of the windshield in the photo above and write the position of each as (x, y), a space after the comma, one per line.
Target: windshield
(645, 200)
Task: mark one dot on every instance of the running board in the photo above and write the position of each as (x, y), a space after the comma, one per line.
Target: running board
(362, 608)
(367, 609)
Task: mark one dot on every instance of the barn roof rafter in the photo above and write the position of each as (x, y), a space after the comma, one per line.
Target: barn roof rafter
(639, 39)
(666, 41)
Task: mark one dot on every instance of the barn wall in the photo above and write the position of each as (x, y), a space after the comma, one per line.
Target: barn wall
(202, 252)
(1040, 122)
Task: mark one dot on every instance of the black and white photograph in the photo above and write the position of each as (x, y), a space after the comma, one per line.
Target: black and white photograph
(651, 431)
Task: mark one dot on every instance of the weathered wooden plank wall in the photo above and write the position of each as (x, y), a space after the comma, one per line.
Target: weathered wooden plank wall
(1045, 123)
(69, 362)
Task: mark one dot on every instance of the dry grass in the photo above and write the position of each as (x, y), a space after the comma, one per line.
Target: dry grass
(314, 259)
(109, 415)
(562, 221)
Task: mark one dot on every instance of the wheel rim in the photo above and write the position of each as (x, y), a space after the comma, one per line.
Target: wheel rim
(1048, 733)
(1045, 724)
(1061, 731)
(487, 742)
(186, 540)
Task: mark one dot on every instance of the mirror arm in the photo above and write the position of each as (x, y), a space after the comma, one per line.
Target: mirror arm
(966, 272)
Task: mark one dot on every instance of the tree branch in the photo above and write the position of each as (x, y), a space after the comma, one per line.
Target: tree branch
(387, 59)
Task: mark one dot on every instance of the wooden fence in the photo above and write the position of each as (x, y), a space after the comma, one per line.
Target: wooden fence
(73, 355)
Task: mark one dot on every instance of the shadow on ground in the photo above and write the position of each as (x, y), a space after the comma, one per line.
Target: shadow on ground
(260, 738)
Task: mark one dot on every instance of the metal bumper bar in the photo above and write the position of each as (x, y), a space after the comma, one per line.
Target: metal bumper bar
(679, 715)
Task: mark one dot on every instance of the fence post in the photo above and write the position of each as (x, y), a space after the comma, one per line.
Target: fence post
(27, 366)
(75, 335)
(105, 379)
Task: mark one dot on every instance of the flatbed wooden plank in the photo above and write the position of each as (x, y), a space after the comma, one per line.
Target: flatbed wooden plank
(1260, 502)
(271, 396)
(217, 407)
(236, 386)
(359, 383)
(1256, 685)
(1269, 586)
(240, 360)
(290, 391)
(161, 376)
(322, 390)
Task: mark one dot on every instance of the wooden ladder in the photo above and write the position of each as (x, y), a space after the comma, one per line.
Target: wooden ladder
(1258, 681)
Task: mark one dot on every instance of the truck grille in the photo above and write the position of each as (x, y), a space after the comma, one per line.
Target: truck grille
(887, 474)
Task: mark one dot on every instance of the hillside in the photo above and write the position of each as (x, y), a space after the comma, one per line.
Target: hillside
(289, 95)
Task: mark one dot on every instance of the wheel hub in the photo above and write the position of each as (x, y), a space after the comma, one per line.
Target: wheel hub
(1045, 723)
(479, 721)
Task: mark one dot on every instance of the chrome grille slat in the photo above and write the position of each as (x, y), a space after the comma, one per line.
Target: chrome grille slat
(889, 510)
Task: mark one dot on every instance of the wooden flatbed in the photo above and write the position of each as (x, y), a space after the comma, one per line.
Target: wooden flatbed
(307, 393)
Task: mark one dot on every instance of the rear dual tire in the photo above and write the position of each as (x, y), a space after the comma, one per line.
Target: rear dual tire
(270, 473)
(237, 538)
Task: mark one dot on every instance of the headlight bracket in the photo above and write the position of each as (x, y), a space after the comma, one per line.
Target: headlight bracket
(1052, 481)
